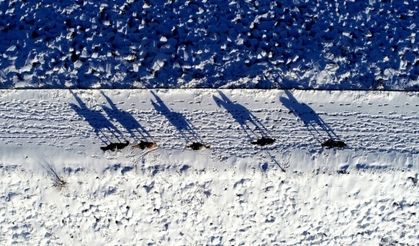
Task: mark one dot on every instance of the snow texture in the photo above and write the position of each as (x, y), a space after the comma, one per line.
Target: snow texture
(212, 44)
(57, 187)
(379, 126)
(208, 207)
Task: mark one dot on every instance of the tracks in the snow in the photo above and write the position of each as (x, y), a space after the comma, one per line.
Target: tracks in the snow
(227, 120)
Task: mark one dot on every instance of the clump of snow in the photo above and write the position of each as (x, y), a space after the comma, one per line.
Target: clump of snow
(235, 44)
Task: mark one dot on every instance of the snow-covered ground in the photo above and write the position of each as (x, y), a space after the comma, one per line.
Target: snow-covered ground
(203, 166)
(209, 207)
(231, 44)
(291, 191)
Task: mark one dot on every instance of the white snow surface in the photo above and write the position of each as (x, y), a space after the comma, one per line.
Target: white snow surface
(209, 44)
(291, 192)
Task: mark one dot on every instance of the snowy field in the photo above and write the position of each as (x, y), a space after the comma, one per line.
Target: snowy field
(259, 176)
(157, 150)
(199, 44)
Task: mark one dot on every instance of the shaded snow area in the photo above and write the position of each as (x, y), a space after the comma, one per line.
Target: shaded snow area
(208, 167)
(194, 44)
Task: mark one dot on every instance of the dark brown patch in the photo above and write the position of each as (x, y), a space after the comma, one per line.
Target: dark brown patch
(330, 143)
(114, 146)
(198, 146)
(264, 141)
(145, 145)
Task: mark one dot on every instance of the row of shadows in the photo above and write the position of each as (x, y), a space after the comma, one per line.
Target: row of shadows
(256, 132)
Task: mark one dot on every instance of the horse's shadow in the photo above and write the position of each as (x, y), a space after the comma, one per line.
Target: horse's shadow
(179, 121)
(317, 127)
(126, 120)
(103, 128)
(259, 135)
(249, 123)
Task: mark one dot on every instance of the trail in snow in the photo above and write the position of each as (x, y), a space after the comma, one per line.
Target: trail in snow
(379, 126)
(58, 187)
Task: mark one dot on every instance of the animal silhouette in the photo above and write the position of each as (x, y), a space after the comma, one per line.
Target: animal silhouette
(114, 146)
(245, 119)
(182, 125)
(145, 145)
(102, 127)
(319, 129)
(125, 119)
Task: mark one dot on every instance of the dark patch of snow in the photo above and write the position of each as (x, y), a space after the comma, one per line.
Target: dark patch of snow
(235, 44)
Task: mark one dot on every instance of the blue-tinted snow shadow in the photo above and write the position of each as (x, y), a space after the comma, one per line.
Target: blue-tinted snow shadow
(254, 129)
(102, 127)
(364, 167)
(126, 120)
(248, 122)
(317, 127)
(232, 38)
(176, 119)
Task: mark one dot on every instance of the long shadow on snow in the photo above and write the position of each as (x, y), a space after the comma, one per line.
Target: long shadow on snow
(246, 119)
(133, 127)
(182, 125)
(103, 128)
(319, 129)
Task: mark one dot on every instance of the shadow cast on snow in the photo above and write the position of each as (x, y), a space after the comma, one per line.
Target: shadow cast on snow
(291, 33)
(179, 121)
(249, 124)
(106, 131)
(317, 127)
(126, 120)
(103, 128)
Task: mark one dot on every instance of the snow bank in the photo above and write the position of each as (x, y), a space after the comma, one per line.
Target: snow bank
(215, 207)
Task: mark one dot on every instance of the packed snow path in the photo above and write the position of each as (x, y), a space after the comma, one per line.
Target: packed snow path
(232, 193)
(54, 124)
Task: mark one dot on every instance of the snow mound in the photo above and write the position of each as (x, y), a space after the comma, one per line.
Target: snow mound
(122, 206)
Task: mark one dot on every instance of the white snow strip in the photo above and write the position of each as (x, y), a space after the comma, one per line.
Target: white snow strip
(380, 129)
(58, 187)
